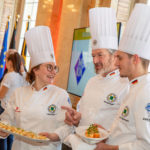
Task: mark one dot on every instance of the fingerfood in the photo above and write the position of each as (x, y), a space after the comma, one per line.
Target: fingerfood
(22, 132)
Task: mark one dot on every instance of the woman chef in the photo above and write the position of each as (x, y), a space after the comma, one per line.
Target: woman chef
(37, 107)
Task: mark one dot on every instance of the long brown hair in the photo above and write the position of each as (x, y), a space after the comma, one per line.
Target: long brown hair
(16, 61)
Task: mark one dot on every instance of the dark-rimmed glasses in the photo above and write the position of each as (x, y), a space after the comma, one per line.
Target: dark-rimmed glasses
(50, 68)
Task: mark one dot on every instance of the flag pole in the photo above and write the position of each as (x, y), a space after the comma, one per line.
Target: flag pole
(13, 39)
(24, 47)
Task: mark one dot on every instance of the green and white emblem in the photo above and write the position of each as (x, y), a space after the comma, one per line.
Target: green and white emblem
(111, 98)
(52, 109)
(125, 112)
(94, 42)
(52, 56)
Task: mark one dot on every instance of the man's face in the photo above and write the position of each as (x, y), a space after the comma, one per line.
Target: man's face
(102, 60)
(124, 63)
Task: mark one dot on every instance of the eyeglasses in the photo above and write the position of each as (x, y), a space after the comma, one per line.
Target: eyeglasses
(50, 68)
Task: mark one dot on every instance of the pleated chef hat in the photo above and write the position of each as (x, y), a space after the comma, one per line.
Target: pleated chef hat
(40, 45)
(103, 28)
(136, 37)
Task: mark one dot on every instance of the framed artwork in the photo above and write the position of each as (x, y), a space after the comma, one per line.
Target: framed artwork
(81, 66)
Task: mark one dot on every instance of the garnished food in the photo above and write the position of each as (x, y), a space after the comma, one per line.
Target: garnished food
(21, 132)
(92, 132)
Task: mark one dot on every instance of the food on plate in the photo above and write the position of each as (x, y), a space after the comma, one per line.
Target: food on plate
(22, 132)
(92, 132)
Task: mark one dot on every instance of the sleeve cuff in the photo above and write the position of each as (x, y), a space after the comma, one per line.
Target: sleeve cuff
(64, 131)
(123, 147)
(6, 85)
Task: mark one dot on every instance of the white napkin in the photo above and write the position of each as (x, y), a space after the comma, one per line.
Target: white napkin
(76, 143)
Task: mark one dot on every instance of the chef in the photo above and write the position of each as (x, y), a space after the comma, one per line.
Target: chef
(131, 130)
(104, 93)
(36, 107)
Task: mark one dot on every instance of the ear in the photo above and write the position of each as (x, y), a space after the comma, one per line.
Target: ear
(114, 57)
(136, 59)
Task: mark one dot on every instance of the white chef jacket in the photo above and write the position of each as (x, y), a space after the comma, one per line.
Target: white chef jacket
(36, 111)
(100, 103)
(131, 130)
(102, 98)
(11, 80)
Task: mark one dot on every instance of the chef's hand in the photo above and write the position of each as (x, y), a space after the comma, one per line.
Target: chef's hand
(3, 134)
(72, 116)
(52, 136)
(103, 146)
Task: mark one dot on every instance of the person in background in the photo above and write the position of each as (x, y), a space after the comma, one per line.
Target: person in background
(10, 51)
(37, 107)
(131, 130)
(103, 93)
(12, 80)
(5, 71)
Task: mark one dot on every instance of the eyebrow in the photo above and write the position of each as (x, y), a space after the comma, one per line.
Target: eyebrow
(97, 53)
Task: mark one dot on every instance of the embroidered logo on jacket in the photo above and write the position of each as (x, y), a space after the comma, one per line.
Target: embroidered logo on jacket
(148, 112)
(125, 113)
(94, 42)
(69, 101)
(52, 109)
(17, 109)
(135, 81)
(45, 88)
(111, 98)
(113, 73)
(52, 56)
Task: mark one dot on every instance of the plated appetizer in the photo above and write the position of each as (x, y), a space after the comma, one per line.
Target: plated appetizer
(92, 132)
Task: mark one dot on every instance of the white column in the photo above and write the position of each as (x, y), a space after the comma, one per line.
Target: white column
(8, 9)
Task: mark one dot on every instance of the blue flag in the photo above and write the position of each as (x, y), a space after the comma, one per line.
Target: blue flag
(3, 51)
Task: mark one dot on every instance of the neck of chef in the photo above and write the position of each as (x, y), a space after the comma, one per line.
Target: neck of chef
(38, 84)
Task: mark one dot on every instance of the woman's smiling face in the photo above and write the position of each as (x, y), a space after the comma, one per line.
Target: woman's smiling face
(46, 73)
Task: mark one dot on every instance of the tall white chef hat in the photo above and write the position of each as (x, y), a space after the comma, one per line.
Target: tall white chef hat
(136, 37)
(40, 45)
(103, 28)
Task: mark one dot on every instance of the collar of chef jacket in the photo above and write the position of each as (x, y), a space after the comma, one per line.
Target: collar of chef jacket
(113, 74)
(42, 89)
(144, 78)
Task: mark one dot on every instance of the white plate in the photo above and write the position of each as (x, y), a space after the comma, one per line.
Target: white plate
(25, 137)
(80, 131)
